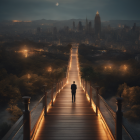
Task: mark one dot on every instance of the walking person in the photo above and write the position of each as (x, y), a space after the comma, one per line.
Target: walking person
(73, 90)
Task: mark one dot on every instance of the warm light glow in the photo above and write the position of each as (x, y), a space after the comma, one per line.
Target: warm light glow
(29, 76)
(125, 68)
(49, 69)
(39, 127)
(57, 4)
(97, 13)
(21, 21)
(16, 21)
(25, 53)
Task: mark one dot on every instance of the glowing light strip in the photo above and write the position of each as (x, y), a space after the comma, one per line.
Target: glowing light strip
(105, 126)
(37, 126)
(41, 118)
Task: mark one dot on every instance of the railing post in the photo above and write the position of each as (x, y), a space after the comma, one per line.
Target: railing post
(118, 124)
(84, 84)
(45, 112)
(97, 100)
(58, 87)
(52, 95)
(90, 94)
(45, 100)
(85, 87)
(26, 119)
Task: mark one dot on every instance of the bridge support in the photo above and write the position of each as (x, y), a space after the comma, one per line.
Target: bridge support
(26, 119)
(118, 125)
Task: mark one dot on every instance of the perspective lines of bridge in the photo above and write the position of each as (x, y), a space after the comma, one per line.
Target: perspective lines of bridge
(71, 121)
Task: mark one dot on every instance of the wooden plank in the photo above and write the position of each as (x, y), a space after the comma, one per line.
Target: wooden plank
(71, 121)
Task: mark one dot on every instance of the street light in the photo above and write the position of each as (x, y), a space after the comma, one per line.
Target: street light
(28, 76)
(49, 69)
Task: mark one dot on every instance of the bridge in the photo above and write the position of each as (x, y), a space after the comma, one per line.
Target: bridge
(58, 118)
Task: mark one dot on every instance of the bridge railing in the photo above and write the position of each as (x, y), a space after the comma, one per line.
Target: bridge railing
(36, 115)
(27, 126)
(115, 128)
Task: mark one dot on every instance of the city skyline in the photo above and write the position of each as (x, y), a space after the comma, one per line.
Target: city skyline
(74, 9)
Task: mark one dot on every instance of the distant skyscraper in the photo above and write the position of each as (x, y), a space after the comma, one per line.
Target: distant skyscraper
(134, 27)
(73, 25)
(89, 26)
(80, 27)
(97, 25)
(86, 24)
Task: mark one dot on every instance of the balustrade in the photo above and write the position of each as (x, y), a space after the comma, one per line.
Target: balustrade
(112, 121)
(27, 126)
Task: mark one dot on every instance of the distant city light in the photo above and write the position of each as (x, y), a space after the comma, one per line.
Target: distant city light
(16, 20)
(125, 67)
(21, 21)
(25, 53)
(57, 4)
(29, 76)
(49, 69)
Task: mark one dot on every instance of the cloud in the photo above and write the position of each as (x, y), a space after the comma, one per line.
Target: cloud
(38, 9)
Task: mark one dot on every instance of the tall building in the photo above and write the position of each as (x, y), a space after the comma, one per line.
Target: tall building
(80, 27)
(73, 25)
(134, 27)
(97, 25)
(86, 24)
(90, 26)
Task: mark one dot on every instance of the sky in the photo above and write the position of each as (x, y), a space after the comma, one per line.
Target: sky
(69, 9)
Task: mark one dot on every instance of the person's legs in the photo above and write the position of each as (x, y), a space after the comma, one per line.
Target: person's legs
(72, 97)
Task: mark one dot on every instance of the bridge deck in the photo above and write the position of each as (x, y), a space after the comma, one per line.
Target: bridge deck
(71, 121)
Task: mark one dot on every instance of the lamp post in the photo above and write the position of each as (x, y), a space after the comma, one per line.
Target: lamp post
(26, 118)
(97, 99)
(45, 100)
(118, 124)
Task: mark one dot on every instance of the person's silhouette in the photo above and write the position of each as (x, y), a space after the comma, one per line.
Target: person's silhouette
(73, 90)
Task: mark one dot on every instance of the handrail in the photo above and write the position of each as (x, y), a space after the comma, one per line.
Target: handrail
(127, 132)
(12, 128)
(37, 103)
(113, 114)
(108, 107)
(18, 130)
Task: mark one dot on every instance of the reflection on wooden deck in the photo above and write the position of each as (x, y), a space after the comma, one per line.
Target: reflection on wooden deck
(71, 121)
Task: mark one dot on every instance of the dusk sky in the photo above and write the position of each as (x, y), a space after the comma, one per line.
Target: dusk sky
(69, 9)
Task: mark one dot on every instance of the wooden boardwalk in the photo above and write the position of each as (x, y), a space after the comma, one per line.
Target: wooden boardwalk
(71, 121)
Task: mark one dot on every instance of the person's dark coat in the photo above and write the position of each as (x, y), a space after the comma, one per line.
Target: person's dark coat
(73, 88)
